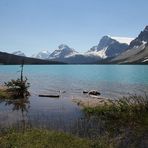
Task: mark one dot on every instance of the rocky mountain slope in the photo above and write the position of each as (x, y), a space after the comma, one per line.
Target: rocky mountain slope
(19, 53)
(137, 51)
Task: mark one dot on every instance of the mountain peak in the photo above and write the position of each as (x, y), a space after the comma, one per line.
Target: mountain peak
(63, 51)
(105, 41)
(141, 39)
(143, 36)
(146, 28)
(63, 46)
(108, 47)
(105, 37)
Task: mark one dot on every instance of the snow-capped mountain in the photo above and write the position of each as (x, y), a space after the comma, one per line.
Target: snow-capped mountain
(69, 55)
(107, 47)
(19, 53)
(137, 51)
(63, 52)
(42, 55)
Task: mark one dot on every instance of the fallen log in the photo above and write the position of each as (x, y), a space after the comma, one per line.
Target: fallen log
(51, 96)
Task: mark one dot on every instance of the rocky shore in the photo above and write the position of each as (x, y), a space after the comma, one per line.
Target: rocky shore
(91, 102)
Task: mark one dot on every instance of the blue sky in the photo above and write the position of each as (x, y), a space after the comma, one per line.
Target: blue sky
(35, 25)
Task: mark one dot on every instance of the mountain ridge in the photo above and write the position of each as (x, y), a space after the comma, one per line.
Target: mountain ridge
(7, 58)
(19, 53)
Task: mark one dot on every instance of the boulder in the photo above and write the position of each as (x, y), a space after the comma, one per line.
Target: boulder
(85, 91)
(94, 92)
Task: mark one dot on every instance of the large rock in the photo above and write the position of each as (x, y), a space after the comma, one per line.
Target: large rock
(94, 92)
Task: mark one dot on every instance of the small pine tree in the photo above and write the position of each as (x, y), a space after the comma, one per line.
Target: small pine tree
(19, 87)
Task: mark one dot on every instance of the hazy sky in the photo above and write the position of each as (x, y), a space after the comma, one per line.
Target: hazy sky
(35, 25)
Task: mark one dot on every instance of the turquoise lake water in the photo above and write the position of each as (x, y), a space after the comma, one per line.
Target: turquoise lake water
(112, 81)
(106, 78)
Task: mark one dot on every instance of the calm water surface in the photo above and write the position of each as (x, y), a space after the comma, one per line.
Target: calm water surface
(112, 81)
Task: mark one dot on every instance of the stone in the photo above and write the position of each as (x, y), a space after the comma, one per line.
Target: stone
(85, 92)
(94, 92)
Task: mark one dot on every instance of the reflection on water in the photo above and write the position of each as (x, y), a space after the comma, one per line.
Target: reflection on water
(21, 104)
(78, 125)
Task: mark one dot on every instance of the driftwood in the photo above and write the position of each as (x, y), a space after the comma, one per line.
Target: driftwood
(51, 96)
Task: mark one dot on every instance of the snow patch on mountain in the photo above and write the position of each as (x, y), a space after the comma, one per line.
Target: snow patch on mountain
(72, 54)
(100, 53)
(145, 60)
(144, 42)
(42, 55)
(126, 40)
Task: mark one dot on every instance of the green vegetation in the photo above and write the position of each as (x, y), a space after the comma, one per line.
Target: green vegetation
(125, 120)
(128, 109)
(41, 138)
(15, 89)
(19, 88)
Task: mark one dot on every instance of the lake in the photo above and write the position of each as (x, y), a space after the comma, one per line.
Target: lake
(113, 81)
